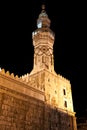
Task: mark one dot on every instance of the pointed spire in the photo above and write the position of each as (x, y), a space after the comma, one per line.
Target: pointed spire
(43, 12)
(43, 18)
(43, 8)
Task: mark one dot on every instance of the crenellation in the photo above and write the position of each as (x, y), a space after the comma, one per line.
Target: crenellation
(17, 77)
(12, 75)
(8, 74)
(63, 78)
(2, 71)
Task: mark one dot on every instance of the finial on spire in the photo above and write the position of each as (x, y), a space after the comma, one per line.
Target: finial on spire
(43, 7)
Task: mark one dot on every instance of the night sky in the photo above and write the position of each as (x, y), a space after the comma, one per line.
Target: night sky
(68, 21)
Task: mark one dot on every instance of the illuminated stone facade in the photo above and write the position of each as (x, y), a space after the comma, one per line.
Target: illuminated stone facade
(41, 99)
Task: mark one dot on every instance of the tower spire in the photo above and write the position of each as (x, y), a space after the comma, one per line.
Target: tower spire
(43, 18)
(43, 7)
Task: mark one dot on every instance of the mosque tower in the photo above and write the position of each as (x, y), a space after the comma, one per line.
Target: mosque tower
(57, 89)
(43, 41)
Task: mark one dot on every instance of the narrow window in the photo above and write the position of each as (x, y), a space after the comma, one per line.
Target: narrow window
(65, 103)
(64, 91)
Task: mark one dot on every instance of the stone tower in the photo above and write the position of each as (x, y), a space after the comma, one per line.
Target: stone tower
(41, 99)
(57, 89)
(43, 40)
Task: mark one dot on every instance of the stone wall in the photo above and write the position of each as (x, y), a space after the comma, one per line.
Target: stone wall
(18, 114)
(58, 120)
(31, 114)
(22, 107)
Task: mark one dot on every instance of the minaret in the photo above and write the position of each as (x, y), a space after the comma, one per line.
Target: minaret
(43, 40)
(51, 88)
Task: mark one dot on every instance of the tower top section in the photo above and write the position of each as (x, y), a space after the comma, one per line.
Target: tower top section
(43, 21)
(43, 39)
(43, 7)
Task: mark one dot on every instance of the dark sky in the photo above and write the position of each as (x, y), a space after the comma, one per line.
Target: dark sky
(68, 21)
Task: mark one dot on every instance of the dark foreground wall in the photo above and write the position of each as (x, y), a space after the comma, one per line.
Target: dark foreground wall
(25, 113)
(58, 120)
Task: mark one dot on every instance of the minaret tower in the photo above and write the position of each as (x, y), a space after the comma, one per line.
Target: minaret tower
(43, 40)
